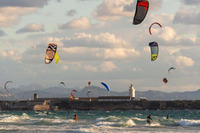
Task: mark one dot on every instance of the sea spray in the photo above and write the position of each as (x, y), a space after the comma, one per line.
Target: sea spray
(186, 122)
(129, 123)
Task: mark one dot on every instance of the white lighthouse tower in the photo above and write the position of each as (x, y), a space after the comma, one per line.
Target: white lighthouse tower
(132, 92)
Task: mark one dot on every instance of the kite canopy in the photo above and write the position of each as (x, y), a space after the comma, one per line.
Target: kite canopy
(56, 57)
(170, 69)
(62, 83)
(88, 92)
(72, 93)
(142, 7)
(5, 85)
(154, 50)
(89, 83)
(165, 80)
(152, 25)
(105, 85)
(50, 53)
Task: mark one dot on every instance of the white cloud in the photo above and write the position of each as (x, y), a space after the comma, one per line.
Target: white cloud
(183, 61)
(9, 16)
(111, 10)
(11, 54)
(65, 67)
(90, 68)
(108, 66)
(136, 69)
(31, 28)
(167, 33)
(119, 54)
(103, 40)
(82, 23)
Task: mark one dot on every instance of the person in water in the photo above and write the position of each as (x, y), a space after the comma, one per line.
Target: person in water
(75, 117)
(149, 119)
(167, 117)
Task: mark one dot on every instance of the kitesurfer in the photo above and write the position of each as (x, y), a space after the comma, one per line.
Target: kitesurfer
(75, 117)
(167, 117)
(149, 119)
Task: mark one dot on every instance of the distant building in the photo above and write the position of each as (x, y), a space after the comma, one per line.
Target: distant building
(132, 92)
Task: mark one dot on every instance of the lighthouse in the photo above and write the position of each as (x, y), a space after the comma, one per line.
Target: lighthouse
(132, 92)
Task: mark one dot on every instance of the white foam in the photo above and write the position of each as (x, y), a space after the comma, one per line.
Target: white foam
(14, 118)
(105, 123)
(129, 123)
(186, 122)
(111, 118)
(154, 124)
(139, 119)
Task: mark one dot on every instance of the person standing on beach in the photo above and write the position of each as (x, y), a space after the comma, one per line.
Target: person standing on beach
(149, 119)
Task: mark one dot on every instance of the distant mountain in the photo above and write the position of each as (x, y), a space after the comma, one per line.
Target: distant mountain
(27, 93)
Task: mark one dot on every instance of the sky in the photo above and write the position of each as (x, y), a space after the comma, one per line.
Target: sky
(98, 42)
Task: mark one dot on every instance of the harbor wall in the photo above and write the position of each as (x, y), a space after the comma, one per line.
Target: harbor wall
(66, 104)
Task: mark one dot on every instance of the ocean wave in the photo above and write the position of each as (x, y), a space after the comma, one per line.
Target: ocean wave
(110, 118)
(14, 118)
(154, 124)
(105, 123)
(187, 122)
(138, 119)
(129, 123)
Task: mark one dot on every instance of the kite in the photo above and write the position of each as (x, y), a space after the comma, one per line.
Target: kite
(165, 80)
(72, 93)
(141, 11)
(56, 57)
(5, 87)
(154, 50)
(50, 53)
(105, 85)
(170, 69)
(62, 83)
(89, 83)
(88, 93)
(152, 25)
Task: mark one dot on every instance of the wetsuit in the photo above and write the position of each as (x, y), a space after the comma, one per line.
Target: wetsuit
(167, 116)
(149, 119)
(75, 117)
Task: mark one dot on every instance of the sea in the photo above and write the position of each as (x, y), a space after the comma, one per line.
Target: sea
(180, 121)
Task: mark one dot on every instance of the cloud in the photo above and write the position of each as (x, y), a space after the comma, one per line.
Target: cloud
(186, 16)
(119, 54)
(9, 16)
(167, 33)
(111, 10)
(191, 2)
(103, 40)
(71, 13)
(136, 69)
(2, 33)
(184, 61)
(82, 23)
(12, 54)
(90, 68)
(108, 66)
(65, 68)
(23, 3)
(31, 28)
